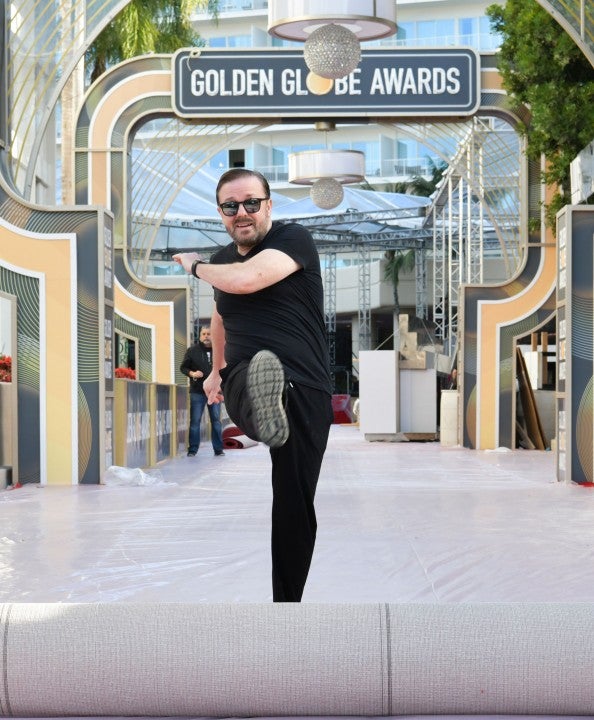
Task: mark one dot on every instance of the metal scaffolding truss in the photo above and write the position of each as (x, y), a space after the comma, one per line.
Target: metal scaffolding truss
(421, 284)
(330, 303)
(364, 314)
(195, 306)
(405, 239)
(210, 235)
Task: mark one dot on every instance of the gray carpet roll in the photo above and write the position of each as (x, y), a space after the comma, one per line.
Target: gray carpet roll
(174, 659)
(161, 659)
(491, 658)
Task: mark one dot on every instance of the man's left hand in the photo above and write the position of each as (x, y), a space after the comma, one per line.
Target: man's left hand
(186, 260)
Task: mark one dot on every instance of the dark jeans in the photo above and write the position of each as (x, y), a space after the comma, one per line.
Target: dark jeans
(197, 405)
(295, 471)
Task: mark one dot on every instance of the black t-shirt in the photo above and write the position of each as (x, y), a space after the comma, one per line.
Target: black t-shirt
(287, 317)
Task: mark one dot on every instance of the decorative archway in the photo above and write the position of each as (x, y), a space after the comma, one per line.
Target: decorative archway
(492, 316)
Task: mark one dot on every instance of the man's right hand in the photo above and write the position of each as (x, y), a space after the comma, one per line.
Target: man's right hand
(212, 388)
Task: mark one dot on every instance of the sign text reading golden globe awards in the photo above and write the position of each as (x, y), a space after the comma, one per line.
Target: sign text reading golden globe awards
(250, 83)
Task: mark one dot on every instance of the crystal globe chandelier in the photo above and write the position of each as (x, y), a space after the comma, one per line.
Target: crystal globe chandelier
(326, 171)
(332, 51)
(326, 193)
(331, 37)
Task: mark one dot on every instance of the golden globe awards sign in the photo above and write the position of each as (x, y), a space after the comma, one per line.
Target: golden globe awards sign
(277, 83)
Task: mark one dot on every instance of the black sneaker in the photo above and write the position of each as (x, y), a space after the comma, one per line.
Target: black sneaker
(218, 453)
(265, 386)
(191, 453)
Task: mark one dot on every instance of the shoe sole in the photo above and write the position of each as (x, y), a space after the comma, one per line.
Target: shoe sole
(265, 385)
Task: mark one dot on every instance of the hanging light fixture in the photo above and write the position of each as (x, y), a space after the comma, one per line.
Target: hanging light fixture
(326, 193)
(331, 37)
(332, 51)
(297, 19)
(326, 171)
(346, 166)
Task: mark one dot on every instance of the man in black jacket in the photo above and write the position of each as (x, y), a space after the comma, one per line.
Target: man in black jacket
(197, 365)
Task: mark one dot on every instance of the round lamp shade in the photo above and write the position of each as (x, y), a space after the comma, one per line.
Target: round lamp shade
(344, 166)
(326, 193)
(332, 51)
(297, 19)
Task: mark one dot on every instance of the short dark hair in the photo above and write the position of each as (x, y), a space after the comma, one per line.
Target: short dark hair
(236, 173)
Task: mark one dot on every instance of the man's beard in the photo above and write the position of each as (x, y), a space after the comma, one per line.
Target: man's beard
(244, 242)
(247, 241)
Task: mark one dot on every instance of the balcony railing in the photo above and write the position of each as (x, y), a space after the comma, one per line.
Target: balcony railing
(234, 6)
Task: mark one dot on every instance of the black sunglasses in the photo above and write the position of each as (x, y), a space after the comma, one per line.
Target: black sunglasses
(251, 205)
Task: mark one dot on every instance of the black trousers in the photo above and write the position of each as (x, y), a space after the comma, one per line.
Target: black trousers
(295, 471)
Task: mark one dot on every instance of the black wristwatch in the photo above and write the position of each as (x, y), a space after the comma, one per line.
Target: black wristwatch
(196, 262)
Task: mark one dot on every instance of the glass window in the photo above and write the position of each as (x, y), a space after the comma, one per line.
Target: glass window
(240, 41)
(279, 42)
(468, 31)
(303, 148)
(405, 35)
(372, 156)
(219, 160)
(279, 156)
(489, 40)
(445, 32)
(425, 32)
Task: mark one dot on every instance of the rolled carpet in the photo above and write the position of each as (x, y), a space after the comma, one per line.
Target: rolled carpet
(238, 442)
(221, 660)
(232, 431)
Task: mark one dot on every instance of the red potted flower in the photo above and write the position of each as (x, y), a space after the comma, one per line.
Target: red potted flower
(5, 368)
(126, 373)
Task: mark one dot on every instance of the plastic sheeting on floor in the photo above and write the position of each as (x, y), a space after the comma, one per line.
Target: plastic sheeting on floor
(397, 522)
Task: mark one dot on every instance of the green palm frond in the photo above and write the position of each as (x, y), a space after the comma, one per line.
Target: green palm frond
(397, 262)
(137, 30)
(145, 26)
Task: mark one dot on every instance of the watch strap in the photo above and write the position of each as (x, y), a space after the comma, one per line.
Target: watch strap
(196, 262)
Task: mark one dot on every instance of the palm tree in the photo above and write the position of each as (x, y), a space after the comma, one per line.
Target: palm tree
(420, 185)
(144, 26)
(398, 261)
